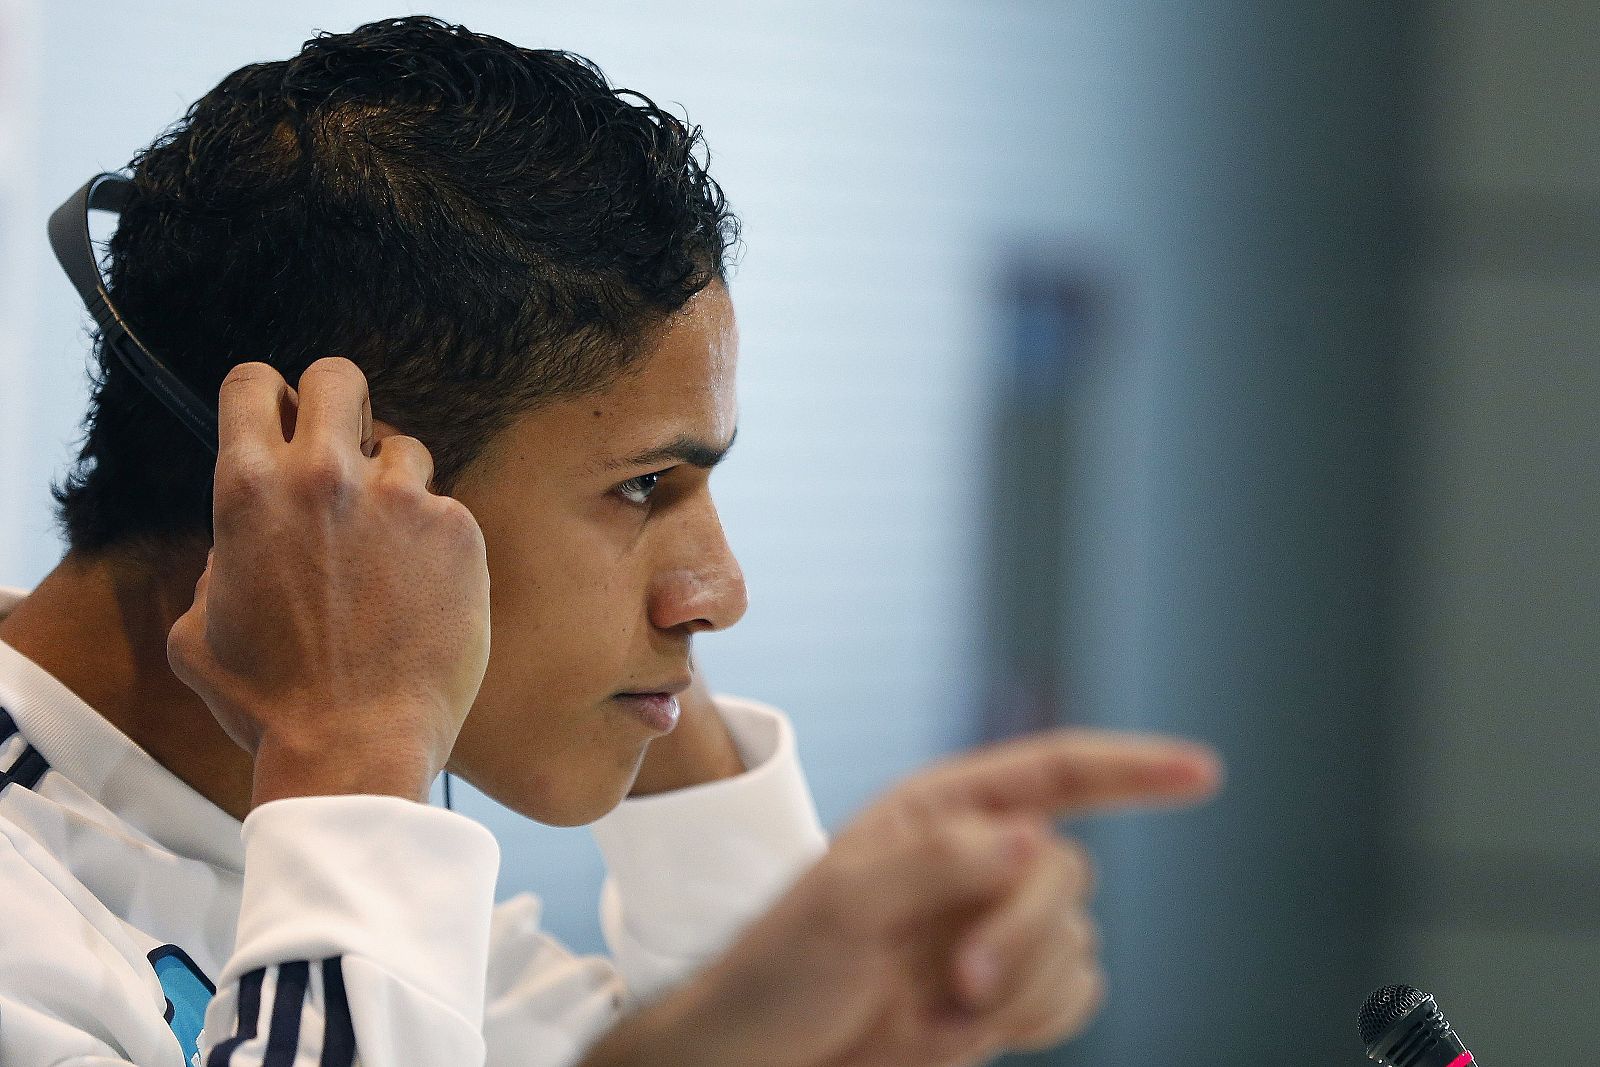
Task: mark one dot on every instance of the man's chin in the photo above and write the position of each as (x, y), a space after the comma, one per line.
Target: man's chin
(574, 801)
(574, 814)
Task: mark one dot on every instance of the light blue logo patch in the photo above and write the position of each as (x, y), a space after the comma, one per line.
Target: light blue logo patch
(188, 992)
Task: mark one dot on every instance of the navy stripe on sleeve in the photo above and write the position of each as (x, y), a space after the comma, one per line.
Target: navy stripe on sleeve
(29, 767)
(283, 1040)
(339, 1035)
(27, 771)
(249, 1018)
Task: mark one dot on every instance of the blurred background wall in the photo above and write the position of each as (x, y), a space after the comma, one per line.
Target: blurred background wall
(1223, 368)
(1498, 711)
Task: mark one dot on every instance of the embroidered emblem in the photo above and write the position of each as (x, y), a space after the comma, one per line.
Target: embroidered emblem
(188, 992)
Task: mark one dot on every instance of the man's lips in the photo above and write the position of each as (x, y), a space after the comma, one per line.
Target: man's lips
(669, 689)
(659, 710)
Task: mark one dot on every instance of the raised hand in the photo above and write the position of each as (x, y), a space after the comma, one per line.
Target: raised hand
(341, 628)
(946, 924)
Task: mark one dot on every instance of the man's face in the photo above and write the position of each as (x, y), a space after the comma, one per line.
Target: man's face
(605, 555)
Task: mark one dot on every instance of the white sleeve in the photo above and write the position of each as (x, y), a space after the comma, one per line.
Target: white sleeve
(688, 869)
(363, 938)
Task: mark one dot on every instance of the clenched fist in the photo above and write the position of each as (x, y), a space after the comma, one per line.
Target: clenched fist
(341, 628)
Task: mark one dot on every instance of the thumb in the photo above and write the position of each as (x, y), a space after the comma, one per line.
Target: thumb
(187, 636)
(202, 589)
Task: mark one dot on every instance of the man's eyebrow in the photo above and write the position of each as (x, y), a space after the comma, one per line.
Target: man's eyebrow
(690, 450)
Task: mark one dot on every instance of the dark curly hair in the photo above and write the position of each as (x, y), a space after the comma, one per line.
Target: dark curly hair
(482, 228)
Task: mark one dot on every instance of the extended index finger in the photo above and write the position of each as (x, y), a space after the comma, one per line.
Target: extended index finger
(1075, 772)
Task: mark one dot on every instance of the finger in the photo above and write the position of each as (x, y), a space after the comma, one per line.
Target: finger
(250, 409)
(1038, 992)
(1030, 1016)
(923, 1043)
(202, 595)
(185, 638)
(1057, 1006)
(930, 1041)
(1073, 772)
(405, 457)
(920, 869)
(204, 581)
(1006, 945)
(333, 402)
(375, 431)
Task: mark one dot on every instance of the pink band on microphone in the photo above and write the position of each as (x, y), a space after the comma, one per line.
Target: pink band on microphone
(1463, 1060)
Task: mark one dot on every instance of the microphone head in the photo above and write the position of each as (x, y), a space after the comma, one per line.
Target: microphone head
(1401, 1026)
(1385, 1007)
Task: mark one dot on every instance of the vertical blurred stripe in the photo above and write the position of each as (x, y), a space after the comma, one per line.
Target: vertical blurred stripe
(1035, 497)
(16, 81)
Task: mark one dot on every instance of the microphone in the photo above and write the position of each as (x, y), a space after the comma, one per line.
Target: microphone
(1402, 1027)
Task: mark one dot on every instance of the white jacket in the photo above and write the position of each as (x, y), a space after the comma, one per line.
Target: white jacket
(340, 930)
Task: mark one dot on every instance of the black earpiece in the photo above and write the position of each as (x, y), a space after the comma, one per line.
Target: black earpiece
(73, 246)
(74, 249)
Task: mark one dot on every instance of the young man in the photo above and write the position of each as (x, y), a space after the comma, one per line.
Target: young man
(224, 709)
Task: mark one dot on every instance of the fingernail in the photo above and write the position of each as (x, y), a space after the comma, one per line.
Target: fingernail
(1205, 768)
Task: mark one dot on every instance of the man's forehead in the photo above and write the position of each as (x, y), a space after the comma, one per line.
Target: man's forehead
(677, 404)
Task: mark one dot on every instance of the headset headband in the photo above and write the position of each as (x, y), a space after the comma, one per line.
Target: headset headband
(74, 249)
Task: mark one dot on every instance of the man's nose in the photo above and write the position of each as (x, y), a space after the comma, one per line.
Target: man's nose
(702, 590)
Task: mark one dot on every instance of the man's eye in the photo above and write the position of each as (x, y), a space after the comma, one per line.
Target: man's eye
(638, 490)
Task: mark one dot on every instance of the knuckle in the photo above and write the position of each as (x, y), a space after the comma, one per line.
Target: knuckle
(459, 522)
(242, 485)
(400, 448)
(394, 494)
(323, 477)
